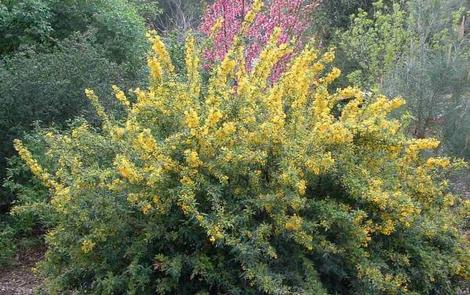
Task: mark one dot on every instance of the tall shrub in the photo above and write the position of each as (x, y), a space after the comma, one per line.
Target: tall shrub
(49, 49)
(417, 49)
(223, 21)
(48, 87)
(242, 187)
(42, 23)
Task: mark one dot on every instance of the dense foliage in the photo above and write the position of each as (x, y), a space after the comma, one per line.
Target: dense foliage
(50, 51)
(332, 15)
(49, 87)
(40, 23)
(418, 49)
(22, 230)
(237, 185)
(244, 164)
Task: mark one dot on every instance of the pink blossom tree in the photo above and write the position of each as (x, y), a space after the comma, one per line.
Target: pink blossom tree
(291, 16)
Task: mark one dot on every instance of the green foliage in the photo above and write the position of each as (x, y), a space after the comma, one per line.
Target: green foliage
(416, 50)
(149, 9)
(24, 228)
(26, 188)
(51, 50)
(41, 23)
(335, 14)
(24, 23)
(263, 189)
(374, 43)
(7, 244)
(48, 87)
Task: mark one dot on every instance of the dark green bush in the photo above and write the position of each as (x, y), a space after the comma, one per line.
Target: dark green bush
(42, 23)
(7, 243)
(48, 87)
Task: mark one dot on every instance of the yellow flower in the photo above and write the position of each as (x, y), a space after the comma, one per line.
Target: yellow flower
(438, 162)
(192, 158)
(87, 246)
(90, 94)
(251, 15)
(388, 227)
(333, 75)
(318, 67)
(301, 186)
(185, 180)
(191, 119)
(397, 102)
(417, 145)
(329, 57)
(213, 117)
(215, 234)
(160, 50)
(127, 169)
(146, 209)
(156, 199)
(294, 223)
(350, 92)
(217, 26)
(146, 142)
(34, 166)
(133, 198)
(120, 96)
(155, 67)
(192, 66)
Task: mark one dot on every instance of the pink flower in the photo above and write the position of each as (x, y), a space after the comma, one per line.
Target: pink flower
(292, 16)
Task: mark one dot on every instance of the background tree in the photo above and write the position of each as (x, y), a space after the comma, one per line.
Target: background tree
(292, 17)
(415, 49)
(39, 23)
(332, 15)
(180, 15)
(50, 50)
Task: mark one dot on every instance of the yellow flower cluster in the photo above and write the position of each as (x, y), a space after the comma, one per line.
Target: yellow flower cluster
(333, 75)
(251, 15)
(146, 142)
(241, 149)
(127, 169)
(438, 162)
(216, 27)
(192, 66)
(161, 53)
(192, 158)
(88, 246)
(191, 119)
(417, 145)
(120, 96)
(37, 170)
(98, 107)
(214, 117)
(294, 223)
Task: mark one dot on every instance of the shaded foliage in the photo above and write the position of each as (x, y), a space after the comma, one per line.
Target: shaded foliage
(41, 23)
(48, 87)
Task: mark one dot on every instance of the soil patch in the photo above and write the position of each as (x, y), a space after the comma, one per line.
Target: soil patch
(19, 279)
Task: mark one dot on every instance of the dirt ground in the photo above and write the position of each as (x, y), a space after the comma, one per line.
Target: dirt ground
(19, 278)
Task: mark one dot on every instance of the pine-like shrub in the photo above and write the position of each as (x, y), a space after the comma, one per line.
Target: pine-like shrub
(237, 186)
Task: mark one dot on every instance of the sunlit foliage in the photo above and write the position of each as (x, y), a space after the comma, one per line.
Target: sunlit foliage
(240, 186)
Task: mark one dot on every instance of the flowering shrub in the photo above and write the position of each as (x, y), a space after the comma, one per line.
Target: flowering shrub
(226, 16)
(290, 188)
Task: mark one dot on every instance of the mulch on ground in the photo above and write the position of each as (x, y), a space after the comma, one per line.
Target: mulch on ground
(19, 279)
